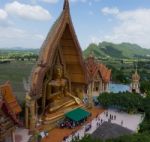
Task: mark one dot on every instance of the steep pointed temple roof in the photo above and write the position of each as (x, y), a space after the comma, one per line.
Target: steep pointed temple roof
(105, 73)
(9, 104)
(49, 48)
(93, 68)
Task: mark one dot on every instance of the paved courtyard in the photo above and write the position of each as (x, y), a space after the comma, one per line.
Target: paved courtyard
(130, 121)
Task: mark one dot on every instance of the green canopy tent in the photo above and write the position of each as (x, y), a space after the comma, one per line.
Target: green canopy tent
(77, 114)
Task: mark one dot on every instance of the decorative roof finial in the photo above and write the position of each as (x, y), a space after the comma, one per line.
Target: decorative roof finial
(66, 4)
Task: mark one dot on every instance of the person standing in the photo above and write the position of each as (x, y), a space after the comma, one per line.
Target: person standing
(122, 123)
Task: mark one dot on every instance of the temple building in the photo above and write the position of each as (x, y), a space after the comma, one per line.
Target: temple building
(9, 114)
(135, 85)
(98, 74)
(59, 81)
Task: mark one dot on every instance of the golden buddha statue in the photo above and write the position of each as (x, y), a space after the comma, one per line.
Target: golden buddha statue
(58, 95)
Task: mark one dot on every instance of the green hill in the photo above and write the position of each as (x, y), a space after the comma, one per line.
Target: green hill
(123, 50)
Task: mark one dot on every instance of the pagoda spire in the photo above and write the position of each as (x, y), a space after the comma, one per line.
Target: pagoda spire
(136, 68)
(66, 5)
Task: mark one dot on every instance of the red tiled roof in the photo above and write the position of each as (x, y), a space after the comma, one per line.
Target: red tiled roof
(9, 104)
(8, 112)
(9, 98)
(93, 67)
(105, 72)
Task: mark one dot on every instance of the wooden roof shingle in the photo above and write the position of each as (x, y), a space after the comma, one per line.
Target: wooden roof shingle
(9, 98)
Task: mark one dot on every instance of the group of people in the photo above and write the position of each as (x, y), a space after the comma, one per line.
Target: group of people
(112, 117)
(74, 136)
(67, 123)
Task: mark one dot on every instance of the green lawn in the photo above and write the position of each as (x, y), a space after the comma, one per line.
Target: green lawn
(15, 72)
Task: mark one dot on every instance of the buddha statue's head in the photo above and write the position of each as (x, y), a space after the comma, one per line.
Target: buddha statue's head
(58, 71)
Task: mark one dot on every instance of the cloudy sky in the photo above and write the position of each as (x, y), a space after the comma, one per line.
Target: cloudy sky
(25, 23)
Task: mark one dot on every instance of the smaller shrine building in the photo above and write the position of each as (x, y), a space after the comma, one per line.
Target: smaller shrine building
(98, 74)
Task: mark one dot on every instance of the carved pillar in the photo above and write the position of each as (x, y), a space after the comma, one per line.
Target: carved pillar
(27, 111)
(100, 86)
(30, 113)
(33, 116)
(91, 94)
(108, 87)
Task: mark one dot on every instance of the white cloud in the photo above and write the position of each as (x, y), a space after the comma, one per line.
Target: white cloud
(3, 14)
(90, 1)
(50, 1)
(133, 27)
(26, 11)
(107, 10)
(95, 39)
(19, 37)
(78, 0)
(55, 1)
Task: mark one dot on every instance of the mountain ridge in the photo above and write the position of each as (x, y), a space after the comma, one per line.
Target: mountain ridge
(122, 50)
(101, 50)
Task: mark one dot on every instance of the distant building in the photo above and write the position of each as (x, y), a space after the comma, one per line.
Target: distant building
(135, 85)
(98, 74)
(9, 114)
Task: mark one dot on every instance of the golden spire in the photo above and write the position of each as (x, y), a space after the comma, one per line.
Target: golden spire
(136, 69)
(136, 76)
(66, 5)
